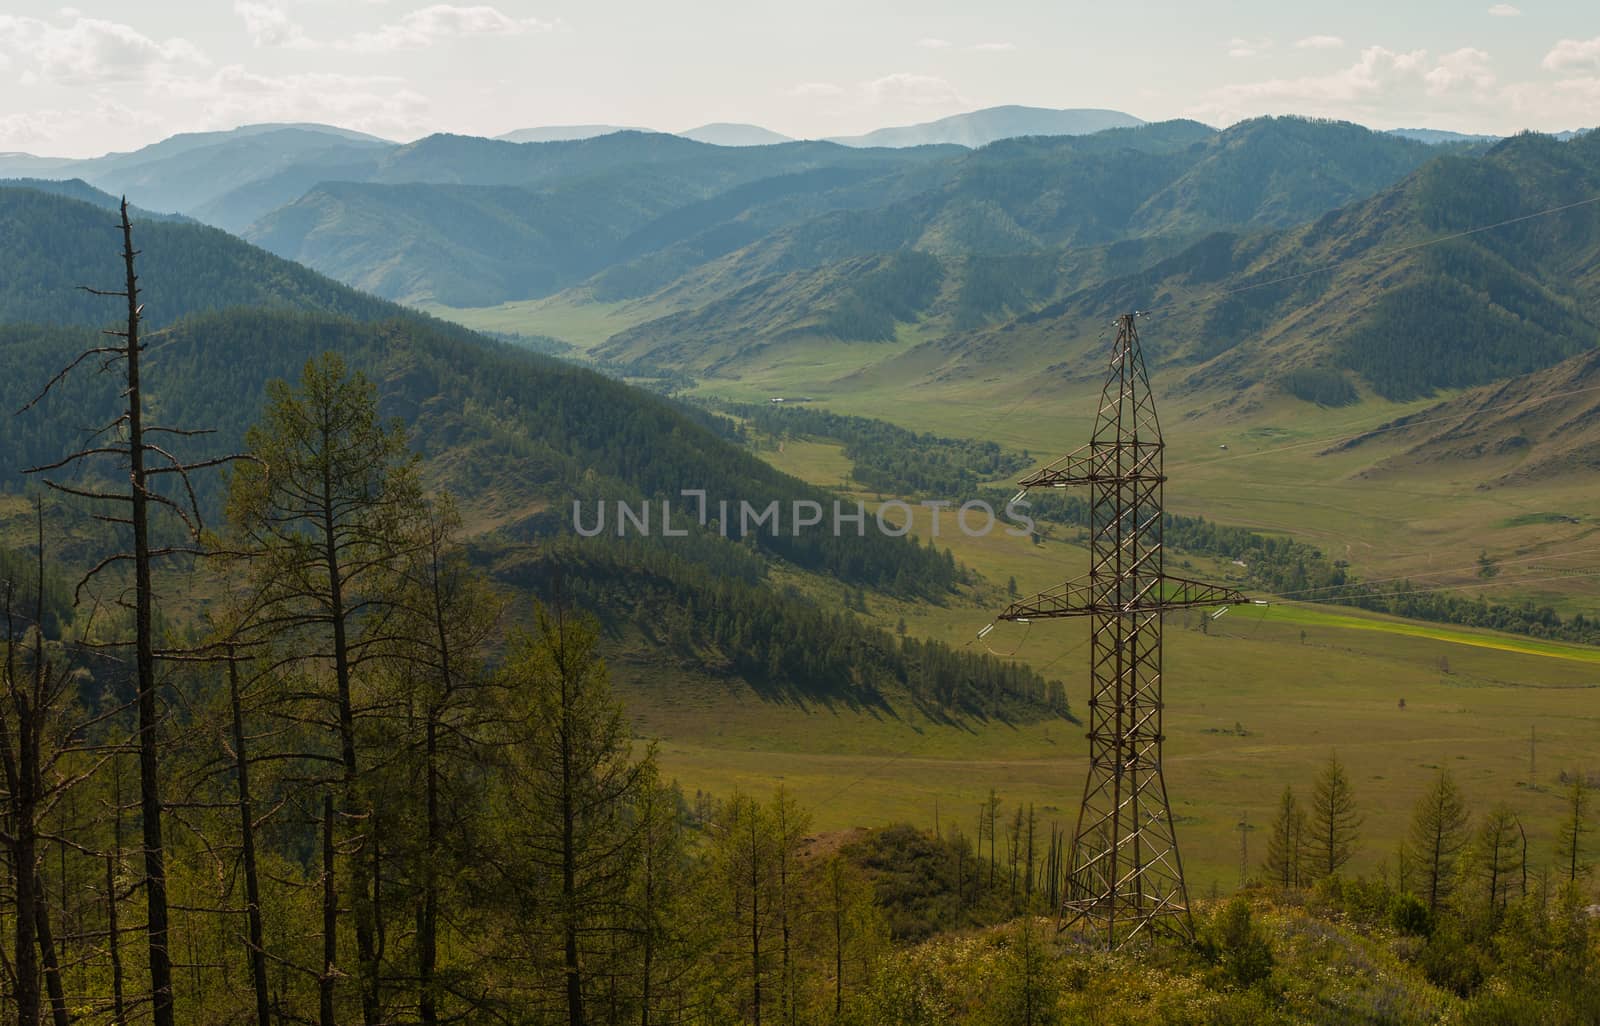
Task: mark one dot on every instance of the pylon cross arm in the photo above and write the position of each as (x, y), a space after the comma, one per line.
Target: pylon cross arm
(1076, 598)
(1086, 466)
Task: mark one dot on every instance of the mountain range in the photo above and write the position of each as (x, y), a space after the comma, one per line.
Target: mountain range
(516, 436)
(1292, 257)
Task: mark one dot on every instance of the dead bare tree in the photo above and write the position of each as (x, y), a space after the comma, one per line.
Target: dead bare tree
(126, 443)
(39, 740)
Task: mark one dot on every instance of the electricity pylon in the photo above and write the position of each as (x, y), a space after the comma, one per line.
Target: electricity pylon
(1126, 878)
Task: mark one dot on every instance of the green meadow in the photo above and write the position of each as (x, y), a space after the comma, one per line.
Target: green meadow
(1257, 700)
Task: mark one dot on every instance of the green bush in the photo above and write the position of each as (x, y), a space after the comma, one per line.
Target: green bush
(1410, 916)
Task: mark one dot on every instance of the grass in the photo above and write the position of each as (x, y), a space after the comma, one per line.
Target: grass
(1256, 702)
(1296, 682)
(567, 316)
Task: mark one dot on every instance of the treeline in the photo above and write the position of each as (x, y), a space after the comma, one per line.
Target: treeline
(1299, 571)
(1296, 570)
(787, 647)
(1466, 886)
(888, 458)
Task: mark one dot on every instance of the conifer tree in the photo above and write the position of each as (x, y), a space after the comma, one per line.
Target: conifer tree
(570, 783)
(1438, 835)
(1570, 848)
(1334, 822)
(321, 520)
(1286, 843)
(1497, 855)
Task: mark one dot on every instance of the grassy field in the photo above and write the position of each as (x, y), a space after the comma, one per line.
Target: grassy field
(1275, 474)
(1256, 702)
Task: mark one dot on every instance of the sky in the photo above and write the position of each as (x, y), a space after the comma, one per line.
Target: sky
(99, 77)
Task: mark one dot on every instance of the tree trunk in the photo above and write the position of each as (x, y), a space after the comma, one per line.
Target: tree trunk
(428, 915)
(755, 919)
(360, 886)
(47, 956)
(569, 860)
(119, 1012)
(330, 919)
(155, 884)
(247, 835)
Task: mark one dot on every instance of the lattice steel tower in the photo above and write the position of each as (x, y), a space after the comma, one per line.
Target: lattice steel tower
(1126, 878)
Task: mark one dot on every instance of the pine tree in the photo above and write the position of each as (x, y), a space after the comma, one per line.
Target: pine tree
(1438, 835)
(1334, 821)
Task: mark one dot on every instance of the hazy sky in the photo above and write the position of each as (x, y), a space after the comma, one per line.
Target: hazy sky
(108, 76)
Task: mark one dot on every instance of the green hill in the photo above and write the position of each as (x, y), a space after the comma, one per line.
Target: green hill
(518, 436)
(573, 208)
(55, 243)
(639, 210)
(1380, 292)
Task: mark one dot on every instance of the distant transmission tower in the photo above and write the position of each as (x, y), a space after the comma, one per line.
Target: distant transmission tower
(1126, 878)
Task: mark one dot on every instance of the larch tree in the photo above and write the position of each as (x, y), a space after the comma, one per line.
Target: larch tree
(321, 520)
(1498, 847)
(1438, 836)
(570, 784)
(745, 855)
(445, 615)
(1286, 842)
(668, 935)
(790, 824)
(37, 732)
(131, 448)
(1570, 841)
(1334, 822)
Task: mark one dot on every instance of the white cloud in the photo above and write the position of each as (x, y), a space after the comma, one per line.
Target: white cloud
(1504, 11)
(29, 130)
(422, 27)
(911, 89)
(270, 25)
(1319, 43)
(930, 43)
(1465, 68)
(1241, 47)
(111, 124)
(1566, 103)
(380, 104)
(1343, 93)
(1456, 89)
(1574, 53)
(87, 51)
(995, 47)
(815, 89)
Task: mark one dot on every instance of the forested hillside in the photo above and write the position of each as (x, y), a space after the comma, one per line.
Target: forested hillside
(1015, 225)
(582, 205)
(1384, 292)
(641, 210)
(56, 243)
(520, 437)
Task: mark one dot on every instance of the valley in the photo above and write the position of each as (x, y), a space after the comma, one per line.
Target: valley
(1374, 356)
